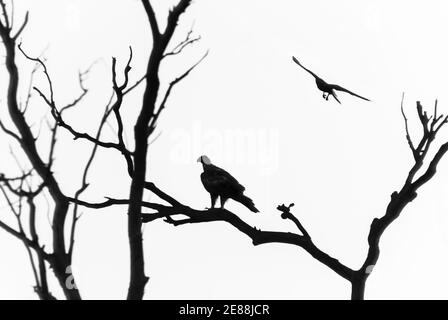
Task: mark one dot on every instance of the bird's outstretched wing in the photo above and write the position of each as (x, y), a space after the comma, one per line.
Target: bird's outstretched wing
(339, 88)
(309, 71)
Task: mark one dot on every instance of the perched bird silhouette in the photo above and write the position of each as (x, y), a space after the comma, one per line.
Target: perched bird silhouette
(326, 88)
(220, 183)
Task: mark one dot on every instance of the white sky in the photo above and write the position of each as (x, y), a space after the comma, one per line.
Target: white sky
(339, 164)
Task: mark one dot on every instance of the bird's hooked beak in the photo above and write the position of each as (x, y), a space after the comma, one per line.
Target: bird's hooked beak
(204, 160)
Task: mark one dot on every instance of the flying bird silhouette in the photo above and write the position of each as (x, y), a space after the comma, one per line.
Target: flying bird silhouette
(220, 183)
(326, 88)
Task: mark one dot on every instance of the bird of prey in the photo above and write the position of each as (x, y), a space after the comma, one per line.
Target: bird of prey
(220, 183)
(326, 88)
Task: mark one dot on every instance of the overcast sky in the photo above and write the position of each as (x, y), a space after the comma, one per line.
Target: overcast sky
(259, 116)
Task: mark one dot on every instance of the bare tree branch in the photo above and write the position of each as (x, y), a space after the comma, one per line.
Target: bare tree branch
(41, 287)
(116, 107)
(143, 128)
(408, 137)
(286, 214)
(22, 27)
(135, 85)
(58, 115)
(84, 183)
(6, 23)
(152, 19)
(258, 236)
(153, 122)
(183, 44)
(400, 199)
(173, 18)
(59, 261)
(10, 132)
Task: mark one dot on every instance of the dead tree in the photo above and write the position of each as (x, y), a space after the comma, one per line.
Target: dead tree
(415, 179)
(144, 127)
(20, 191)
(60, 258)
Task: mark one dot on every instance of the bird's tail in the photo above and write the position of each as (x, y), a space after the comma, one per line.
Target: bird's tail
(333, 93)
(247, 202)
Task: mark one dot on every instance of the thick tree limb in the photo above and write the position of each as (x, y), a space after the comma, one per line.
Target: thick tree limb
(162, 195)
(258, 236)
(142, 131)
(173, 18)
(399, 200)
(152, 19)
